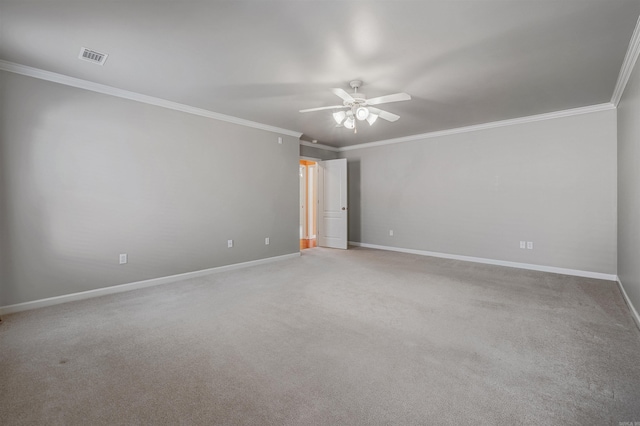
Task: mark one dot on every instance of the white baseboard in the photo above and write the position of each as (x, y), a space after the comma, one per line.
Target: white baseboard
(10, 309)
(632, 308)
(564, 271)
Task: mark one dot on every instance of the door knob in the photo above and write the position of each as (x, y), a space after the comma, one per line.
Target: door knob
(344, 208)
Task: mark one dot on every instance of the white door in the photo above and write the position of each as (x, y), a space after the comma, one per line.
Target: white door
(332, 203)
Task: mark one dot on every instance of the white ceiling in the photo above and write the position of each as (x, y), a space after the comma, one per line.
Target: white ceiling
(463, 62)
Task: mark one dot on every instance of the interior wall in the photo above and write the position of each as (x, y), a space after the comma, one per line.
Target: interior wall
(629, 188)
(88, 176)
(480, 193)
(4, 231)
(318, 153)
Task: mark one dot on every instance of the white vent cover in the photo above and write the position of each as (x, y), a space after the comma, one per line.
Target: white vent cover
(92, 56)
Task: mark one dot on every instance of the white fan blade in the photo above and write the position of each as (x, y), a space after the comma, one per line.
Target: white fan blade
(389, 116)
(396, 97)
(321, 108)
(344, 95)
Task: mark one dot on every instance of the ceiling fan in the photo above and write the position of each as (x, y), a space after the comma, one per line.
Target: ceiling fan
(359, 107)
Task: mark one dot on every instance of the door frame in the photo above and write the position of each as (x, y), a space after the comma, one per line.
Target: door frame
(308, 202)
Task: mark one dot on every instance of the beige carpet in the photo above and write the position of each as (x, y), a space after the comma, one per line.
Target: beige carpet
(337, 338)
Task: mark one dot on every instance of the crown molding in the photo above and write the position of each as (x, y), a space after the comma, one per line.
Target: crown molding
(627, 65)
(138, 97)
(485, 126)
(625, 72)
(320, 146)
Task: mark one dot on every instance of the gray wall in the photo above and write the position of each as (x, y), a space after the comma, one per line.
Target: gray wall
(87, 176)
(629, 188)
(479, 193)
(4, 231)
(319, 153)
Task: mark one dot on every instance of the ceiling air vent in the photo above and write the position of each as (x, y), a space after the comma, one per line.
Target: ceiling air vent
(92, 56)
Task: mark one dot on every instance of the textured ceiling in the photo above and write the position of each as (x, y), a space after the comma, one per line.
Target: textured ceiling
(463, 62)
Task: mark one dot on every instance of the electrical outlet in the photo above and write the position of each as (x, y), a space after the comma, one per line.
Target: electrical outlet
(123, 258)
(523, 244)
(280, 140)
(266, 241)
(229, 243)
(529, 245)
(391, 232)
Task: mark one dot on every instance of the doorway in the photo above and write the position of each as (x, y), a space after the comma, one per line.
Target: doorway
(308, 204)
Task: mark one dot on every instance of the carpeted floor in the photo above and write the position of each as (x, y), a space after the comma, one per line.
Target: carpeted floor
(333, 337)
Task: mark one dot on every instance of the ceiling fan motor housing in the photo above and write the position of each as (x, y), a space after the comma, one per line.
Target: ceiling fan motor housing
(359, 98)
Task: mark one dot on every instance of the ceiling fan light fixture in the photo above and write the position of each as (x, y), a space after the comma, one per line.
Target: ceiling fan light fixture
(339, 116)
(371, 118)
(362, 113)
(350, 123)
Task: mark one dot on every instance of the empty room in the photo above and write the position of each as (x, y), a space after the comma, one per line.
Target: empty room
(316, 212)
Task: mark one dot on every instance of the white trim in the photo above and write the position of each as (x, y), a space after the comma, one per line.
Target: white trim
(10, 309)
(632, 55)
(125, 94)
(632, 308)
(627, 65)
(320, 146)
(492, 125)
(553, 269)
